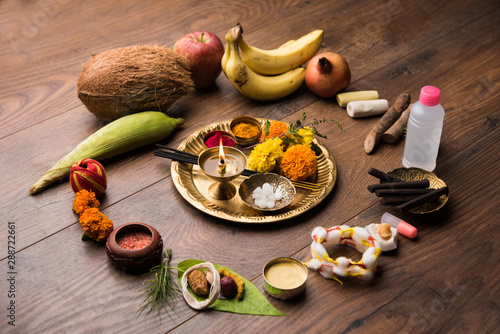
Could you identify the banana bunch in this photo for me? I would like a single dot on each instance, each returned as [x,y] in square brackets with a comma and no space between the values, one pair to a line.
[267,74]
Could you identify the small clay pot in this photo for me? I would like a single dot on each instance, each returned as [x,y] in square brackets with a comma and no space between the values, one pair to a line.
[135,259]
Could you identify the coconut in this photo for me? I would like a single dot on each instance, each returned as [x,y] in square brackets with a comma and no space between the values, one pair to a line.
[131,79]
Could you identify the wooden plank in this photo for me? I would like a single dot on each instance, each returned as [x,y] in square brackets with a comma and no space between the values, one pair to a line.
[434,268]
[49,86]
[348,151]
[428,285]
[443,281]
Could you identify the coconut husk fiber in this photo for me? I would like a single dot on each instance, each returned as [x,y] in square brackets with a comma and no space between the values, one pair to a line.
[126,80]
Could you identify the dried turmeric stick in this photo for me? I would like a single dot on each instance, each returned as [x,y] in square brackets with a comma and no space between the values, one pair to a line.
[237,279]
[398,128]
[386,121]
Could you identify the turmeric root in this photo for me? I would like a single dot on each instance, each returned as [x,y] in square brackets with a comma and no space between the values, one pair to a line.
[237,279]
[389,118]
[397,129]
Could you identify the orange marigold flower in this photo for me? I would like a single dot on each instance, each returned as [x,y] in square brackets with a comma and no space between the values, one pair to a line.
[298,163]
[95,224]
[84,200]
[277,128]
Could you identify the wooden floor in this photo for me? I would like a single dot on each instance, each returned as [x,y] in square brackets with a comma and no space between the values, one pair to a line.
[446,280]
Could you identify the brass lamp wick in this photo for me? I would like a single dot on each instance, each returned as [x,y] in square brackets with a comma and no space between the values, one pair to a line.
[222,167]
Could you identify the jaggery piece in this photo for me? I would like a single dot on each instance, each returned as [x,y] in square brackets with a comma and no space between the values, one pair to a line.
[197,281]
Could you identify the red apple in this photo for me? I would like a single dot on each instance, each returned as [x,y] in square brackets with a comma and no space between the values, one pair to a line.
[204,51]
[327,74]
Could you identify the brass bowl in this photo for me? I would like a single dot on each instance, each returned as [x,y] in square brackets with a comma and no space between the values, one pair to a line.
[276,181]
[224,133]
[284,293]
[416,174]
[135,259]
[241,141]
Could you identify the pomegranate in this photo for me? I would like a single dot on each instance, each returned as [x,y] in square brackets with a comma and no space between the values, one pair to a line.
[327,74]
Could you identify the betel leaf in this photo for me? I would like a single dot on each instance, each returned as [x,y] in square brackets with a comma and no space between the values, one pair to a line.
[254,302]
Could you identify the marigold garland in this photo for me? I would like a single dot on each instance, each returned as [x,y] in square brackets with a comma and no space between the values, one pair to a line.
[298,163]
[264,156]
[84,200]
[95,224]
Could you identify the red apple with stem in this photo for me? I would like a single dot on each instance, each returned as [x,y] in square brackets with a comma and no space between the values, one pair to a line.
[204,51]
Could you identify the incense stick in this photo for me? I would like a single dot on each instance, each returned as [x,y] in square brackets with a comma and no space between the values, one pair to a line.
[181,156]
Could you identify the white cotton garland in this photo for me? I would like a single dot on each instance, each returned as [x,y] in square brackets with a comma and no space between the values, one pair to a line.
[214,287]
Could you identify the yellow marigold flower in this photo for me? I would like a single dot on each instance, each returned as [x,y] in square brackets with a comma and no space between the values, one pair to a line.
[277,128]
[298,163]
[95,224]
[264,156]
[307,136]
[84,200]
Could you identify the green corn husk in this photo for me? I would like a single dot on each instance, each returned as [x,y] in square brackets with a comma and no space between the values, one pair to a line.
[122,135]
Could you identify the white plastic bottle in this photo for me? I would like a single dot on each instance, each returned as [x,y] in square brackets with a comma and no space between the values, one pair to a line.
[424,130]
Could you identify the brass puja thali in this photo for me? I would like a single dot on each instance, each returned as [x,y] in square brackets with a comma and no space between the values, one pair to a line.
[193,185]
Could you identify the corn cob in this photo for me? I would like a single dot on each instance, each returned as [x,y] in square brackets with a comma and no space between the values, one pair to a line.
[125,134]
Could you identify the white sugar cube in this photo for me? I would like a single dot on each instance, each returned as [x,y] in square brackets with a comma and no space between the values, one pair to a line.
[267,189]
[278,195]
[261,203]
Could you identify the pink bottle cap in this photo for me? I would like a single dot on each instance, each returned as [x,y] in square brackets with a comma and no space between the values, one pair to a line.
[403,227]
[407,230]
[429,96]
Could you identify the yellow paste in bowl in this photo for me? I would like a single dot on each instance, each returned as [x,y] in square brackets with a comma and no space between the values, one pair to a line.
[285,275]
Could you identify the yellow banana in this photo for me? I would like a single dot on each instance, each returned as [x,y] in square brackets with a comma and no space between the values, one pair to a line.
[290,55]
[251,84]
[287,43]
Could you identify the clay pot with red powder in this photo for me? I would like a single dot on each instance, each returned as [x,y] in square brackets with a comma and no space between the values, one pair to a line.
[135,246]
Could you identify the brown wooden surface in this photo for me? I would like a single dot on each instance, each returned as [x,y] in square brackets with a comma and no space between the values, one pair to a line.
[446,280]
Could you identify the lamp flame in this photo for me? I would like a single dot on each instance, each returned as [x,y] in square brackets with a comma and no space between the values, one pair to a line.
[221,152]
[222,159]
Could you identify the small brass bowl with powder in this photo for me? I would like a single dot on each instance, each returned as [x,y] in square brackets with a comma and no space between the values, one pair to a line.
[248,121]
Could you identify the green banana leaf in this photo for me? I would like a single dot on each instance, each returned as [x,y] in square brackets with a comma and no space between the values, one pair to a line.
[254,302]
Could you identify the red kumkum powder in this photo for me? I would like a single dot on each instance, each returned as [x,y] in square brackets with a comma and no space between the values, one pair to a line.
[134,240]
[215,140]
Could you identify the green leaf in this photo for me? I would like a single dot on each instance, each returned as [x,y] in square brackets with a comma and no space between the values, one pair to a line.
[316,149]
[315,131]
[288,140]
[267,125]
[85,237]
[254,302]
